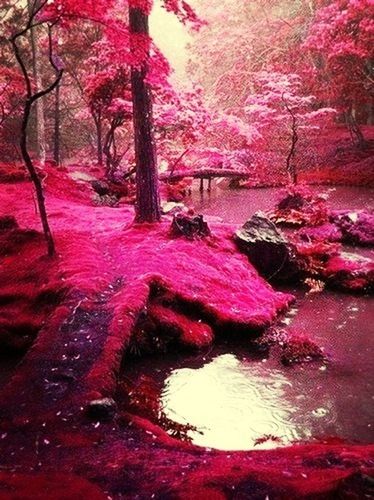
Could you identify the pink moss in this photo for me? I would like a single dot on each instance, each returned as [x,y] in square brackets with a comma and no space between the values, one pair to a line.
[191,333]
[29,290]
[300,349]
[325,232]
[59,486]
[357,227]
[350,273]
[299,206]
[114,272]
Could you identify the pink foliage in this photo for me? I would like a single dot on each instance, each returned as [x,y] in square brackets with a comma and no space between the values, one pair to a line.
[341,37]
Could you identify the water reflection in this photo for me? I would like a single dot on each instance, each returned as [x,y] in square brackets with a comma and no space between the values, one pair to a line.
[233,404]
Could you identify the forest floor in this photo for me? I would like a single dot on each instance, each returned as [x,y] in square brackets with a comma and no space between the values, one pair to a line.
[72,318]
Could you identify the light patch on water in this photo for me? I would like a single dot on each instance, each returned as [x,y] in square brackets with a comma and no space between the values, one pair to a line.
[232,404]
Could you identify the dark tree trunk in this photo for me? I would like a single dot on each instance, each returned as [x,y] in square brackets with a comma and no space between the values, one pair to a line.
[56,142]
[30,99]
[147,190]
[290,160]
[99,138]
[35,179]
[354,128]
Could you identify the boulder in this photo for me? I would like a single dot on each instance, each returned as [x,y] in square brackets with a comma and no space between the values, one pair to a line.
[350,273]
[268,249]
[300,349]
[103,409]
[191,227]
[300,207]
[101,187]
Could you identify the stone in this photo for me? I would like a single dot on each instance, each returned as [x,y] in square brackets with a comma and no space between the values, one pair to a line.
[190,227]
[268,249]
[101,187]
[300,350]
[102,410]
[350,273]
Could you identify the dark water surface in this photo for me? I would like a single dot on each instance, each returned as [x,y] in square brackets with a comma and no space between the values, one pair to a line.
[236,399]
[237,205]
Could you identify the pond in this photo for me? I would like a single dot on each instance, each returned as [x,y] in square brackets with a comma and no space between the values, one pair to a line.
[237,205]
[232,398]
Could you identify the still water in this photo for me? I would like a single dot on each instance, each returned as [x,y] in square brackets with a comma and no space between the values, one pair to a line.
[238,400]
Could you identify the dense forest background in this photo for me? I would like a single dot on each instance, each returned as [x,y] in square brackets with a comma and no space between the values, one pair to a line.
[274,87]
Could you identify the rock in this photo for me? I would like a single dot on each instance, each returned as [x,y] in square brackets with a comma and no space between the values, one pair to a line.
[110,192]
[350,273]
[300,350]
[300,207]
[190,227]
[357,227]
[103,409]
[294,201]
[268,249]
[356,486]
[101,187]
[172,208]
[7,223]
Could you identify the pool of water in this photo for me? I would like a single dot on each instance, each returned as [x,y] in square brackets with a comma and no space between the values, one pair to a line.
[238,205]
[236,399]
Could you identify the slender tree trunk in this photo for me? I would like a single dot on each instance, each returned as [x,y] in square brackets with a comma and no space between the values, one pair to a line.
[354,128]
[31,98]
[56,141]
[39,105]
[290,160]
[147,189]
[99,138]
[35,179]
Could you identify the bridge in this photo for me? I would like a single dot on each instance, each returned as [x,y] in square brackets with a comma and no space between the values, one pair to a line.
[205,173]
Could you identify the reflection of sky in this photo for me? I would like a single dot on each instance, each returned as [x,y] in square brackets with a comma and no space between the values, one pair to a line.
[232,403]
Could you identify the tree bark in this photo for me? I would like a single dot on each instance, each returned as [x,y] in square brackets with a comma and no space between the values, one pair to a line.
[99,139]
[290,160]
[39,105]
[56,139]
[31,98]
[354,128]
[35,179]
[147,189]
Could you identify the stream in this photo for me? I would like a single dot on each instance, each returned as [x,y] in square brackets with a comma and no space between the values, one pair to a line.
[235,399]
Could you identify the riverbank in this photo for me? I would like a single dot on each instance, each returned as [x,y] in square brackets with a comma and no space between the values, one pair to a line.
[113,282]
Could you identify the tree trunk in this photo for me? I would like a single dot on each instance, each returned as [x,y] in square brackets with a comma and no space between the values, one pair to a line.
[354,128]
[147,190]
[99,138]
[56,141]
[35,179]
[39,105]
[290,160]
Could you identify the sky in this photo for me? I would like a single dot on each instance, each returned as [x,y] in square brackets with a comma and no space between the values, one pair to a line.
[171,37]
